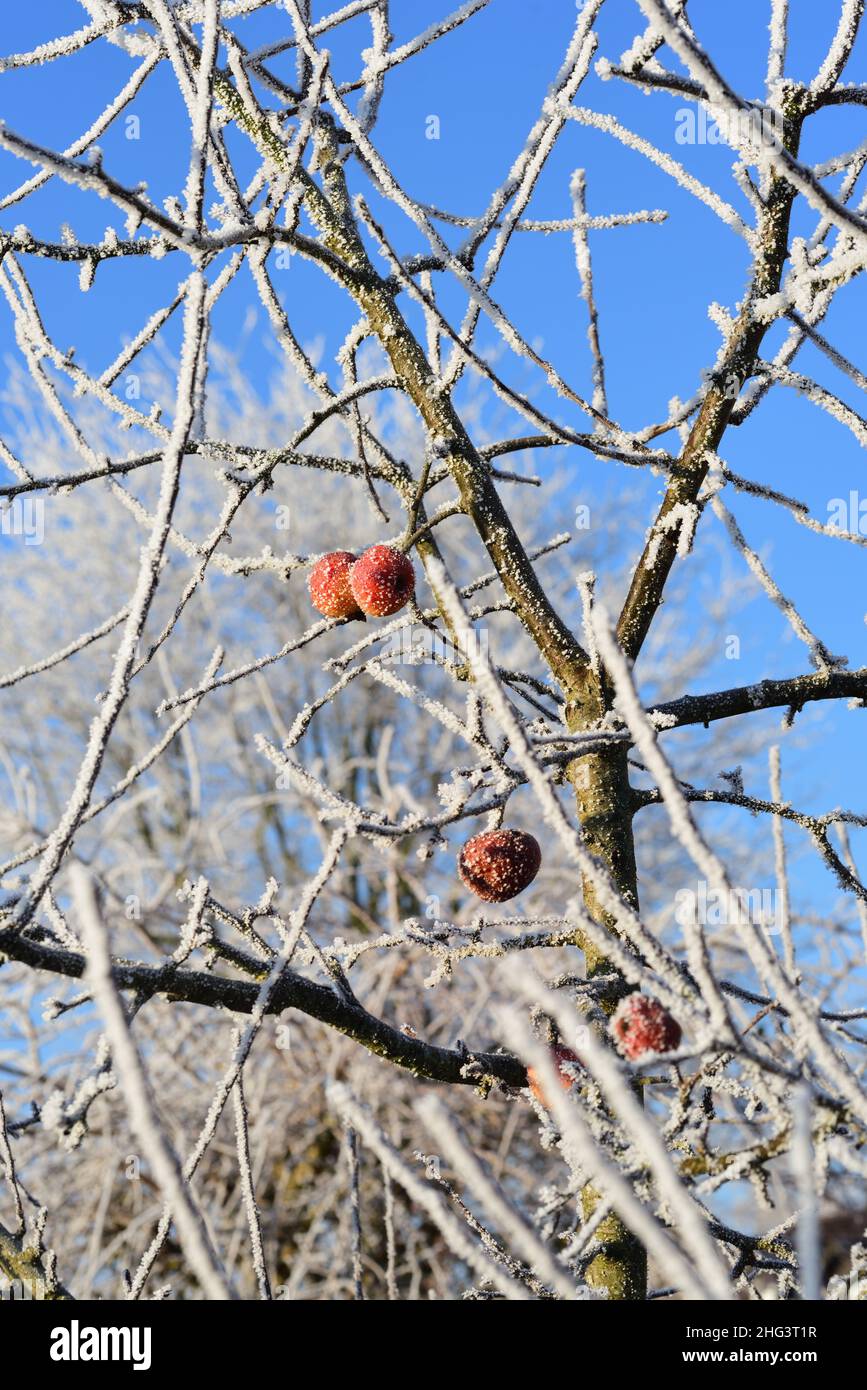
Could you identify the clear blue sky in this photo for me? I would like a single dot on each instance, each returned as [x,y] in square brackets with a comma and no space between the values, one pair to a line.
[485,83]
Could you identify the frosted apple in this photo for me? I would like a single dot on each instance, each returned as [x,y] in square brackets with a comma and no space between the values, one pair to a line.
[499,864]
[382,581]
[642,1027]
[561,1057]
[328,584]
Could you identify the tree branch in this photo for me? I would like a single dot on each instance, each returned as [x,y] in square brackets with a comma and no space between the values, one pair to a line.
[292,992]
[794,692]
[24,1263]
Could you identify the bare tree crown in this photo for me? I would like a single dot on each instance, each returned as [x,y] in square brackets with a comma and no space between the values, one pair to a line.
[298,827]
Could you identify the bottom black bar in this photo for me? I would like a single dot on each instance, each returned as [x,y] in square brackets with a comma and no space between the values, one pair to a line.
[662,1337]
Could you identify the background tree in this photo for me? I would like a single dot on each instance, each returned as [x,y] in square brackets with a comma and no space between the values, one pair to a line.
[246,847]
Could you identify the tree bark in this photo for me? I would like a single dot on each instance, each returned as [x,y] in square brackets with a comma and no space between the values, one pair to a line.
[605,808]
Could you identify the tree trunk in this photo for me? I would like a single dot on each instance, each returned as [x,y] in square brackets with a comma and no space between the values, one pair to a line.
[604,803]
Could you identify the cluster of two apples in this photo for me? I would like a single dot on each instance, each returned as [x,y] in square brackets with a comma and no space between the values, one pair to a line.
[641,1029]
[377,584]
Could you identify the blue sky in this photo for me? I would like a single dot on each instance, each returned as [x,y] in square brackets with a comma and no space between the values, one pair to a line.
[485,83]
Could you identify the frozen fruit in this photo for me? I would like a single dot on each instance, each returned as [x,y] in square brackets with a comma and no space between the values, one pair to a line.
[642,1026]
[382,581]
[561,1056]
[499,864]
[328,582]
